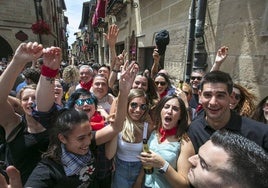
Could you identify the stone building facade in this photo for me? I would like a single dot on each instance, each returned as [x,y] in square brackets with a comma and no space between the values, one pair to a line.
[240,25]
[17,17]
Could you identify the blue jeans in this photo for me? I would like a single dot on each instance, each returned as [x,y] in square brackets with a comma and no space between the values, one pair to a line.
[126,173]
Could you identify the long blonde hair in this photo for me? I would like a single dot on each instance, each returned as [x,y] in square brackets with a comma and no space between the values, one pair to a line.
[131,127]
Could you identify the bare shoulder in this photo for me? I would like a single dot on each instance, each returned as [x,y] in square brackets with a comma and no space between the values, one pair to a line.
[187,146]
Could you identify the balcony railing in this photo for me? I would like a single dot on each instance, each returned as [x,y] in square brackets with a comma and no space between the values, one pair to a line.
[115,6]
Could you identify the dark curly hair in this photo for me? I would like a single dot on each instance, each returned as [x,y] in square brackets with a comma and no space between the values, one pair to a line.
[32,74]
[75,95]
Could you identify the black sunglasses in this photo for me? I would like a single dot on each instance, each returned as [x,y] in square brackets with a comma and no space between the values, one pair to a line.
[161,83]
[135,105]
[237,96]
[196,77]
[81,102]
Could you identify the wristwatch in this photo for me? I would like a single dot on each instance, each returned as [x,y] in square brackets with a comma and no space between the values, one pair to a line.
[163,169]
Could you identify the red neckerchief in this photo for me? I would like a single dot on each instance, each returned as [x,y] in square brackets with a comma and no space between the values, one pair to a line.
[87,85]
[97,121]
[198,108]
[163,94]
[169,132]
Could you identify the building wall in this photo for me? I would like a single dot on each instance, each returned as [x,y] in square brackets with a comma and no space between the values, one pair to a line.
[234,23]
[237,24]
[19,15]
[16,15]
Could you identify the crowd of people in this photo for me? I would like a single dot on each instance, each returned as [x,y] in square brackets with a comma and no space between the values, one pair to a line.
[85,126]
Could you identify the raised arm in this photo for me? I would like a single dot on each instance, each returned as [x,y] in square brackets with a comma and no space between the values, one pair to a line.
[26,52]
[117,62]
[15,102]
[45,97]
[155,66]
[125,83]
[14,178]
[221,55]
[111,38]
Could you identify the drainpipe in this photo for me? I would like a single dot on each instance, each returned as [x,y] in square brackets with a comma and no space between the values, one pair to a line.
[200,54]
[38,12]
[190,48]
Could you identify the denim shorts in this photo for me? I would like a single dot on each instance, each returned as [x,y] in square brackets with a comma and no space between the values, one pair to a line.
[125,174]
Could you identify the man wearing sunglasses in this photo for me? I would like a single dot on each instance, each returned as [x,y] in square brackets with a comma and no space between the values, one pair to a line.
[196,77]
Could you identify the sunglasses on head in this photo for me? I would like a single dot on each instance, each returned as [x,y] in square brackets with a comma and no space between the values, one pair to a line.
[196,77]
[237,96]
[161,83]
[81,102]
[135,105]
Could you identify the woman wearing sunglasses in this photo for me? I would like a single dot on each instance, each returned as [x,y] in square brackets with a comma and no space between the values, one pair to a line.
[163,85]
[86,101]
[243,101]
[69,162]
[129,142]
[143,81]
[83,100]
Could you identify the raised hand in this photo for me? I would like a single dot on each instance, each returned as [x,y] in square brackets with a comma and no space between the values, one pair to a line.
[52,57]
[156,55]
[182,95]
[111,37]
[128,75]
[119,60]
[221,55]
[14,178]
[27,52]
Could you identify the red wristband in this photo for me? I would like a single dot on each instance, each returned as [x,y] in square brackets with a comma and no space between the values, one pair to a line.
[48,72]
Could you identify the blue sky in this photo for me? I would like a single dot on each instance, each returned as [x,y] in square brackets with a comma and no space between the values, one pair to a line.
[74,13]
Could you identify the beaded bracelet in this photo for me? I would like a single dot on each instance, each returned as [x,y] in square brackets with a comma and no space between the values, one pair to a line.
[51,80]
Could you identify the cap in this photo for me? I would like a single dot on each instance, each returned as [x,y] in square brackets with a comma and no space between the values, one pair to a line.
[162,40]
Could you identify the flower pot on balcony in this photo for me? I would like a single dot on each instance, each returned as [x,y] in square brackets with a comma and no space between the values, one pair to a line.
[41,27]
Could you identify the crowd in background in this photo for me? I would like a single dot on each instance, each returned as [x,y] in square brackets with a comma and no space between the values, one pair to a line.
[83,125]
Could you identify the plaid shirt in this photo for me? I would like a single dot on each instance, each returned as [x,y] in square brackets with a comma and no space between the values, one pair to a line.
[103,165]
[74,163]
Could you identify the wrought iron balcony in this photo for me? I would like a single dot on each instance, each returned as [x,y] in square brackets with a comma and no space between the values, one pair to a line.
[115,6]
